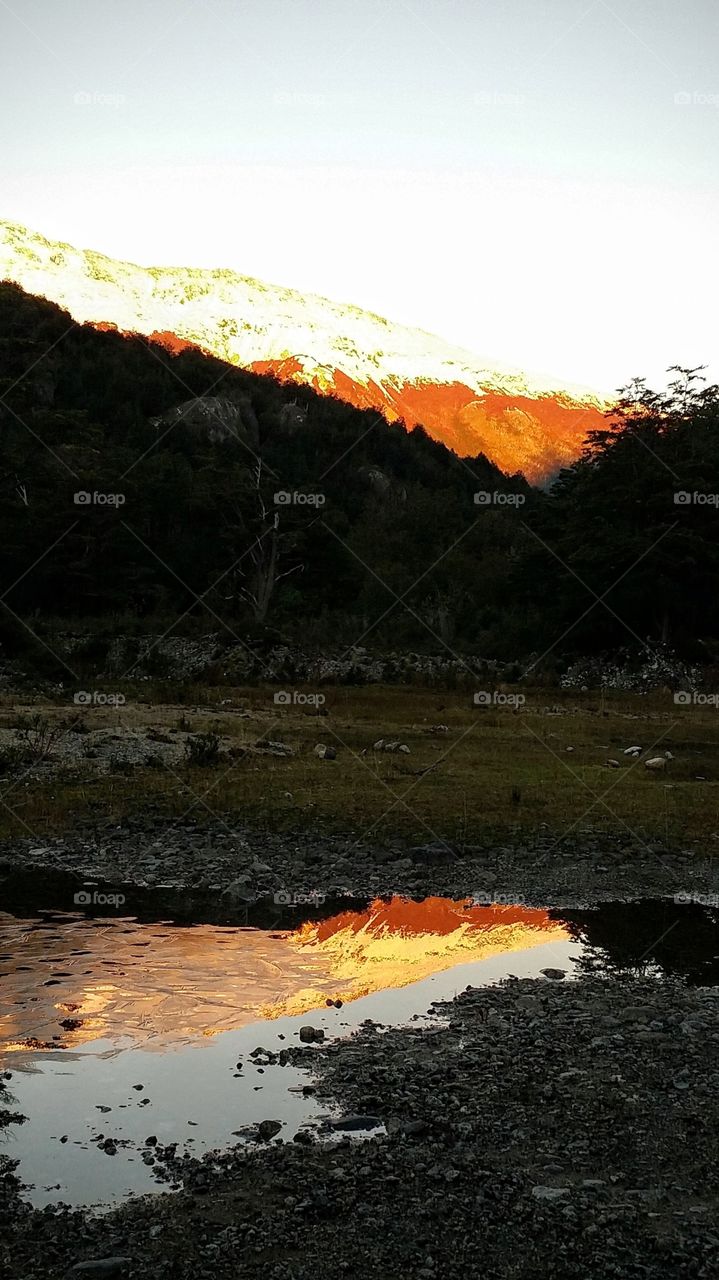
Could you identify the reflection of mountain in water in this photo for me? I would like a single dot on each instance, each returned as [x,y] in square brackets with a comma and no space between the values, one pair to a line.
[392,944]
[67,983]
[677,938]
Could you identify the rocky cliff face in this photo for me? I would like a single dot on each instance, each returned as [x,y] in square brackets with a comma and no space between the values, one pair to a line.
[521,423]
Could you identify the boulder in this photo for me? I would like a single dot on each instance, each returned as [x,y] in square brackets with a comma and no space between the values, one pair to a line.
[215,418]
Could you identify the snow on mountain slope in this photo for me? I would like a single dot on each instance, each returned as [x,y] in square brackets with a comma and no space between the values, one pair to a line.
[521,423]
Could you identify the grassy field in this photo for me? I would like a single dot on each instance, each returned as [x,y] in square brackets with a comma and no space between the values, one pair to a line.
[472,774]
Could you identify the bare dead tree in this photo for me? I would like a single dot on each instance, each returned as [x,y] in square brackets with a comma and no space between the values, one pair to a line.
[265,555]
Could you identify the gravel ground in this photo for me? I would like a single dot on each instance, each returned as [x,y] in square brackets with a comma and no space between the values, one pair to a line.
[230,868]
[541,1128]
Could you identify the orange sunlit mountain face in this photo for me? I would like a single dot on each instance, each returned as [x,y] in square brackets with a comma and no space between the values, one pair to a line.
[160,986]
[536,435]
[533,434]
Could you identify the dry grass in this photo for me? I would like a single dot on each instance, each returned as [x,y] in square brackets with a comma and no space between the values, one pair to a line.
[494,772]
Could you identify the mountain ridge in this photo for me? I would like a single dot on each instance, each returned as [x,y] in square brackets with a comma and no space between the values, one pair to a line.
[521,422]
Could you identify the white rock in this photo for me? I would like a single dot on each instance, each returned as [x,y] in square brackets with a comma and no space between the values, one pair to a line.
[549,1193]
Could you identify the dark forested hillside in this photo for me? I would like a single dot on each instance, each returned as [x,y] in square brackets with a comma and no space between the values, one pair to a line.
[277,506]
[148,489]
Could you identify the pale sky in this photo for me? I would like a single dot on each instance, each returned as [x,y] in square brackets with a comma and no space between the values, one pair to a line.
[517,176]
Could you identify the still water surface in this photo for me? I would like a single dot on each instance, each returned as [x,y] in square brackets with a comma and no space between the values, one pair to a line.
[116,1028]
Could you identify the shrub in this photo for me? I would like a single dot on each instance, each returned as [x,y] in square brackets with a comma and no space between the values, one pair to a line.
[203,750]
[36,736]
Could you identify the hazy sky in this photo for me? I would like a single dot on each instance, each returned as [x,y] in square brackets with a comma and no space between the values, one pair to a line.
[534,179]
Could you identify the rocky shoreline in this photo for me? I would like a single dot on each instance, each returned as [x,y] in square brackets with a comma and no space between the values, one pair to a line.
[535,1128]
[216,871]
[541,1128]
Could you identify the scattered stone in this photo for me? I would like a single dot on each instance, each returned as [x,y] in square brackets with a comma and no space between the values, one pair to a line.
[354,1124]
[267,1129]
[311,1035]
[100,1268]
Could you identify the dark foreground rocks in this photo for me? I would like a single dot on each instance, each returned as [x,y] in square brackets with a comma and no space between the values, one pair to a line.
[540,1129]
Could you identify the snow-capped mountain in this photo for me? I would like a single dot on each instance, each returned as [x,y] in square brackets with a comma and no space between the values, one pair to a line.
[523,424]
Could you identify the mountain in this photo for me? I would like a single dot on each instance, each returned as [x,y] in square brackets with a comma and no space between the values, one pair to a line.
[522,424]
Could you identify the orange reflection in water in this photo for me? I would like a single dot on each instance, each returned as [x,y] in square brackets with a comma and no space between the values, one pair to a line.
[161,986]
[394,943]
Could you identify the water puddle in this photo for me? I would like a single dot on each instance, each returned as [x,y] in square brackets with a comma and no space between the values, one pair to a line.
[115,1030]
